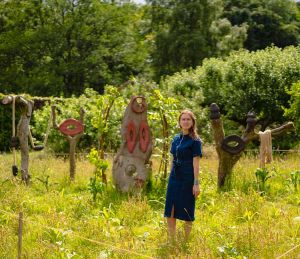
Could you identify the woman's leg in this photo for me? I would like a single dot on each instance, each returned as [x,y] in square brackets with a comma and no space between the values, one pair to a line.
[188,228]
[171,225]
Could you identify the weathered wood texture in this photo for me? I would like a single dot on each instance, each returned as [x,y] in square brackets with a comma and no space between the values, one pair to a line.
[130,168]
[72,141]
[26,107]
[227,160]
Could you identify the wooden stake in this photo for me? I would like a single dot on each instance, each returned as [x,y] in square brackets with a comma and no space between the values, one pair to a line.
[20,233]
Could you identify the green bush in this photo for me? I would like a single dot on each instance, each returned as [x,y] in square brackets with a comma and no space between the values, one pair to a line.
[241,82]
[69,108]
[293,111]
[254,81]
[184,86]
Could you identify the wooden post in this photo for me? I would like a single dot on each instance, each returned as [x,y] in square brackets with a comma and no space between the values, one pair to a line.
[23,134]
[20,235]
[73,140]
[229,156]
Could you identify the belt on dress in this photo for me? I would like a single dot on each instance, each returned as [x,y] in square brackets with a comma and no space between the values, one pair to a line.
[178,163]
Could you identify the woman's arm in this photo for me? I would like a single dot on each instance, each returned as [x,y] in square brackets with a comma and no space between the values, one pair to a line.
[171,163]
[196,189]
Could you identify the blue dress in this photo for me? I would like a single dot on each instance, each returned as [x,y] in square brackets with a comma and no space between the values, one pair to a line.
[180,185]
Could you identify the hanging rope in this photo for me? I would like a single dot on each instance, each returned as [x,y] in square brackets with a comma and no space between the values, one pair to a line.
[265,149]
[14,139]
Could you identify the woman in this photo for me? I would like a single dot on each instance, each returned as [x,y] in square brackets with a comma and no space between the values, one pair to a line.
[183,185]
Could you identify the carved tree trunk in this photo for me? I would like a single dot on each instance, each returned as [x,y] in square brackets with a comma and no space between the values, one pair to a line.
[131,164]
[228,156]
[23,131]
[23,134]
[226,161]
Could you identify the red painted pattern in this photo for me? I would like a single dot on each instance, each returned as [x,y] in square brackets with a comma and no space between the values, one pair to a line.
[71,127]
[131,136]
[144,133]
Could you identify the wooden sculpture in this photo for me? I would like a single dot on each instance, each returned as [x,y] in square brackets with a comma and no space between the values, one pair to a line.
[130,167]
[230,149]
[73,130]
[20,134]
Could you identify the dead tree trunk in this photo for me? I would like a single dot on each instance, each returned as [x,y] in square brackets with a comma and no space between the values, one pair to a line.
[23,131]
[230,149]
[23,134]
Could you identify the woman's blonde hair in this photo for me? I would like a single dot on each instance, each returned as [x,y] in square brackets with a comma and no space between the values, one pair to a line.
[192,130]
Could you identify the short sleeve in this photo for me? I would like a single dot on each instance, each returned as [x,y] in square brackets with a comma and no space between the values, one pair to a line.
[197,148]
[172,150]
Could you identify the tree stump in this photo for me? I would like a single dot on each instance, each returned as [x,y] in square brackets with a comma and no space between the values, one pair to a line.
[230,149]
[130,168]
[72,130]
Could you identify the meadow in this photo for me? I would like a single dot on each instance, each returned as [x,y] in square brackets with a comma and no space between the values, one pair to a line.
[61,220]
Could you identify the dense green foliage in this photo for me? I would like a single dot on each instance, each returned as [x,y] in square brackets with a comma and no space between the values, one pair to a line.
[103,117]
[294,110]
[269,21]
[244,81]
[186,32]
[62,47]
[6,125]
[69,108]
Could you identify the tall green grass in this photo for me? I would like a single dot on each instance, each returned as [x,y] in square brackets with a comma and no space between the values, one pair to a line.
[61,220]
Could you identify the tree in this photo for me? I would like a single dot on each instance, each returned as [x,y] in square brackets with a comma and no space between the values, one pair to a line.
[254,81]
[228,154]
[243,81]
[294,110]
[269,21]
[61,47]
[188,31]
[101,119]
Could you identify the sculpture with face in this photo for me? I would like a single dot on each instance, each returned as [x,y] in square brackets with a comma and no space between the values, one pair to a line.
[130,167]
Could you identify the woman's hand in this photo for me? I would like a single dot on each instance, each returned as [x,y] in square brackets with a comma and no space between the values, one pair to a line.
[196,190]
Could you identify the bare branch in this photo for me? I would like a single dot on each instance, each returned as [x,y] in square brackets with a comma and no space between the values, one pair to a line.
[275,132]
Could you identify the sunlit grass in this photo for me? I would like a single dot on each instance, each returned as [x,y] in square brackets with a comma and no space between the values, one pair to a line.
[62,221]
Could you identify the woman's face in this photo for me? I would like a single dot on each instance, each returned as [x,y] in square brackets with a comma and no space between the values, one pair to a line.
[186,121]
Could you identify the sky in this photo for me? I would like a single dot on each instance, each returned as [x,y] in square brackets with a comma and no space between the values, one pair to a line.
[139,1]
